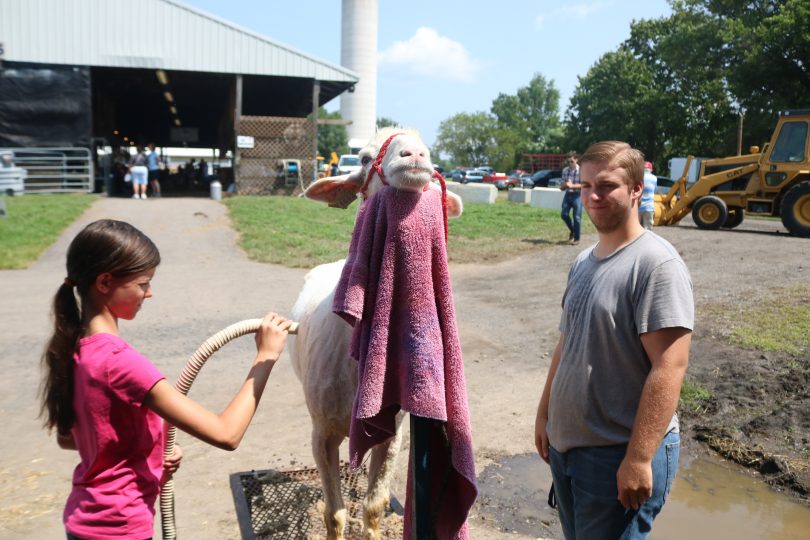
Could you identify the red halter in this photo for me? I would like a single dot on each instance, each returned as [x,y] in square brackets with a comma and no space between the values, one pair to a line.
[438,175]
[377,167]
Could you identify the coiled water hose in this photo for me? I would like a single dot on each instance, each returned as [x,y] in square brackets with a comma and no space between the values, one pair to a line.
[183,385]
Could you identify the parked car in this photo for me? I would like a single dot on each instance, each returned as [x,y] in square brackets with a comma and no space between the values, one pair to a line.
[348,163]
[543,178]
[474,175]
[494,178]
[457,174]
[513,180]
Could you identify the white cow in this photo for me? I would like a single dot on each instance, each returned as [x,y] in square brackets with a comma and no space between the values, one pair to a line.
[320,351]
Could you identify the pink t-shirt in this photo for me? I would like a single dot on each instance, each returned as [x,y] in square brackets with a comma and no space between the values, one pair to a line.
[120,442]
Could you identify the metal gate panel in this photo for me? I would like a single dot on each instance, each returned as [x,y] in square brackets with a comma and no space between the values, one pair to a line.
[277,140]
[55,170]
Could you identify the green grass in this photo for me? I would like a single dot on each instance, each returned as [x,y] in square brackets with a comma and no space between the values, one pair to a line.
[301,233]
[693,396]
[504,229]
[295,232]
[780,324]
[291,231]
[34,222]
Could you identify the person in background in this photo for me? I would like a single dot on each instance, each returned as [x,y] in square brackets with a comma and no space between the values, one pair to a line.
[108,401]
[202,173]
[571,212]
[139,173]
[646,209]
[606,420]
[191,173]
[153,162]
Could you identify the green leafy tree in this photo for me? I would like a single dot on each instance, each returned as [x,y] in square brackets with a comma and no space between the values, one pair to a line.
[718,58]
[766,53]
[383,122]
[470,140]
[696,111]
[764,46]
[529,121]
[332,137]
[611,102]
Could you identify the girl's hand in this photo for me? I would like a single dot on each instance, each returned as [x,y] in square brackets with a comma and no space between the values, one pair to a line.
[271,337]
[171,464]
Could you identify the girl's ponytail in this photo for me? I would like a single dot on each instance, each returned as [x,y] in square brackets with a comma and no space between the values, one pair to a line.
[57,387]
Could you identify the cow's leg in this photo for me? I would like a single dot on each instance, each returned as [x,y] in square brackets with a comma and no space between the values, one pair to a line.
[325,446]
[382,465]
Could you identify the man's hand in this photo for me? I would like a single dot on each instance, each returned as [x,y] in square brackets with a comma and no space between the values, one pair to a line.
[541,437]
[634,481]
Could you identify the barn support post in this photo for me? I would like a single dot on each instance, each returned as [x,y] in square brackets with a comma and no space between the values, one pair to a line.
[316,99]
[237,120]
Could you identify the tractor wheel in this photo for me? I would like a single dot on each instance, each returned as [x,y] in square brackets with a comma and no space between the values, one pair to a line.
[735,217]
[795,209]
[709,212]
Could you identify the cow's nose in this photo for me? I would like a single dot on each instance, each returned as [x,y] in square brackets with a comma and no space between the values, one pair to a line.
[408,152]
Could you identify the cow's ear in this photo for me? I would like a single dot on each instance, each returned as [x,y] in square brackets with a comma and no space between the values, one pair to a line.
[336,191]
[454,205]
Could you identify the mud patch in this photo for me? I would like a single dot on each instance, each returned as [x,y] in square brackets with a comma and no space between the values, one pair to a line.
[758,413]
[513,499]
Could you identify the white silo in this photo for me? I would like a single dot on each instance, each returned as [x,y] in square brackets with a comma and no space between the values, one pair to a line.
[358,52]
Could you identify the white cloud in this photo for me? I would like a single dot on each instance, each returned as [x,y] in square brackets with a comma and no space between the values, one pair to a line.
[575,11]
[429,55]
[581,11]
[539,20]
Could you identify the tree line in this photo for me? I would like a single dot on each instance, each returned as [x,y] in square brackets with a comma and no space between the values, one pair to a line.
[680,84]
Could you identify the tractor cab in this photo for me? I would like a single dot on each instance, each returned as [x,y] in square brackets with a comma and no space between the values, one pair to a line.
[787,153]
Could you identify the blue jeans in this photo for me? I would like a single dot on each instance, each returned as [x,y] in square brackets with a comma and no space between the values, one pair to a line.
[572,201]
[586,492]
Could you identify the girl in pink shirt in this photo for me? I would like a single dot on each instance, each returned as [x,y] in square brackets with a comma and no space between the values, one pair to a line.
[108,401]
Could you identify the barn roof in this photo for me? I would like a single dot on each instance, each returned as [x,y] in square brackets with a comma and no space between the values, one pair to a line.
[152,34]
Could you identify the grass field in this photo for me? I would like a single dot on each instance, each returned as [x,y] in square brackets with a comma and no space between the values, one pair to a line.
[34,222]
[300,233]
[295,232]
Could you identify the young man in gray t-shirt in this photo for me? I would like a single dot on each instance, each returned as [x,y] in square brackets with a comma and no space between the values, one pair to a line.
[606,421]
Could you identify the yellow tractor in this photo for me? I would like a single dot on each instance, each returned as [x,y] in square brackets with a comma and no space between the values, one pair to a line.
[325,169]
[774,182]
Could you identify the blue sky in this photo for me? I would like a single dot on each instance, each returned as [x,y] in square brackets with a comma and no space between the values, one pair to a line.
[442,57]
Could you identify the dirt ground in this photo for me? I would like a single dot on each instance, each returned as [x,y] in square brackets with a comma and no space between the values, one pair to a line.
[507,316]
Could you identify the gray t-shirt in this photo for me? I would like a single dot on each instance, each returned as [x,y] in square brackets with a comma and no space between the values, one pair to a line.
[608,303]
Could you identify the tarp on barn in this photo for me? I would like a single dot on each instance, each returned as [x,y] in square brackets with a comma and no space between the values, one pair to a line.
[45,105]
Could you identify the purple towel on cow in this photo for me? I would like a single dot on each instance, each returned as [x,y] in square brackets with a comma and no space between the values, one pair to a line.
[395,291]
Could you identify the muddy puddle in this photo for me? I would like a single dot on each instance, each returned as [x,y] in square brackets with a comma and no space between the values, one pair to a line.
[711,499]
